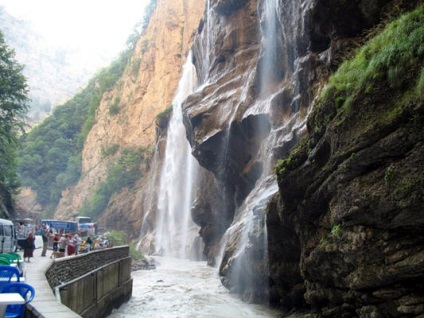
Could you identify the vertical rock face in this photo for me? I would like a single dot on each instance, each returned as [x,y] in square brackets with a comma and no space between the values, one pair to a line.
[257,80]
[145,90]
[352,197]
[344,235]
[236,110]
[210,112]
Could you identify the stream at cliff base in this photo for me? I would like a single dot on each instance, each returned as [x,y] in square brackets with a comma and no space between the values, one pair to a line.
[184,289]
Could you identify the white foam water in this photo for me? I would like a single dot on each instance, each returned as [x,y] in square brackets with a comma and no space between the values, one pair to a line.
[184,289]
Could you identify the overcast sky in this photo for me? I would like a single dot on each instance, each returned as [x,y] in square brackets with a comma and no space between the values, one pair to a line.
[90,25]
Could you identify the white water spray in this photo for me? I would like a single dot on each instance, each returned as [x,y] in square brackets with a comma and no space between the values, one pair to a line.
[175,230]
[269,33]
[249,226]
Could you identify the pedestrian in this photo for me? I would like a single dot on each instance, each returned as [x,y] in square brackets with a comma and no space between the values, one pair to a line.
[29,247]
[77,240]
[62,244]
[56,239]
[70,243]
[45,237]
[88,244]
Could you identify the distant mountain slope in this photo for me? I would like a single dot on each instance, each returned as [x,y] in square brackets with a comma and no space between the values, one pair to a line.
[54,74]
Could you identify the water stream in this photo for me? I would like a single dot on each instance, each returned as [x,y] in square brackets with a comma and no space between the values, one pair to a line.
[184,289]
[175,231]
[178,287]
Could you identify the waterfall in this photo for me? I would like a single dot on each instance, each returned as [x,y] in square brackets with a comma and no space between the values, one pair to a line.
[244,264]
[174,227]
[245,108]
[270,46]
[208,40]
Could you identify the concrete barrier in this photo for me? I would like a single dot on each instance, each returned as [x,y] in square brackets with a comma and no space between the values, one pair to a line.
[93,284]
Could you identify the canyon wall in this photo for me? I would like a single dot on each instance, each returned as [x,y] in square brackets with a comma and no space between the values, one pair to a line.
[343,239]
[339,232]
[145,90]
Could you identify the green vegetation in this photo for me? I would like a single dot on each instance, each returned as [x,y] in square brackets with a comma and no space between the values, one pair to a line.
[114,107]
[336,230]
[141,25]
[50,154]
[13,107]
[135,66]
[297,155]
[163,117]
[395,57]
[134,253]
[120,175]
[389,176]
[110,150]
[117,238]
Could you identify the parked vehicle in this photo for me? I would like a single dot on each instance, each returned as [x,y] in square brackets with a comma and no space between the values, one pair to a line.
[8,240]
[83,219]
[61,226]
[85,226]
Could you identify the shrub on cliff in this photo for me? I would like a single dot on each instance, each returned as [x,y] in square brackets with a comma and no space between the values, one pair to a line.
[124,173]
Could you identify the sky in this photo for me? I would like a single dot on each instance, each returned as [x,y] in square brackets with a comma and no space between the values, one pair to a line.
[89,25]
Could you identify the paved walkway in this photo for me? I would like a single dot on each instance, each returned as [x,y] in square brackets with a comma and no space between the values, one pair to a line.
[45,303]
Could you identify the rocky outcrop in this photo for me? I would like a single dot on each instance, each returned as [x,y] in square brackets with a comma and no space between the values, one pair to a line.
[243,105]
[211,112]
[351,217]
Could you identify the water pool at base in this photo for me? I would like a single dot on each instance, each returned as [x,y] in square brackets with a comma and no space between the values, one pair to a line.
[179,288]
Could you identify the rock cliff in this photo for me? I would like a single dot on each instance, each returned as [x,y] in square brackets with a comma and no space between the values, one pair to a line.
[145,90]
[349,214]
[339,231]
[343,239]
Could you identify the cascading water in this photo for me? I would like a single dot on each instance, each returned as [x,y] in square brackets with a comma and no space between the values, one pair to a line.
[205,45]
[269,31]
[175,230]
[244,266]
[208,39]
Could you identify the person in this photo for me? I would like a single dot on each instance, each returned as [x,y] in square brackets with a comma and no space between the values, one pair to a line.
[83,247]
[62,244]
[29,247]
[77,241]
[56,239]
[88,244]
[105,242]
[96,244]
[45,237]
[70,242]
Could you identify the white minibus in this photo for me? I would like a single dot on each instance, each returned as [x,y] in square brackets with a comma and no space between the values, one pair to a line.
[8,242]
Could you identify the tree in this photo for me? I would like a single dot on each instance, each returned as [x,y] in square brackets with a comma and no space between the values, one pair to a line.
[13,108]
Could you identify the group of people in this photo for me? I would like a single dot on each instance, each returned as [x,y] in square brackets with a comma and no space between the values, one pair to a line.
[74,244]
[68,244]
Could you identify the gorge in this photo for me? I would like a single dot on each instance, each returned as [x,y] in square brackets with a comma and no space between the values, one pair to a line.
[299,177]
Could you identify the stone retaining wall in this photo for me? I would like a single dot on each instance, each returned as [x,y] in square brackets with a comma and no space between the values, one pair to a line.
[93,284]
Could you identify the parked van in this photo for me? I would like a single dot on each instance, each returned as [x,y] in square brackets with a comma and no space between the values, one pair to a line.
[8,241]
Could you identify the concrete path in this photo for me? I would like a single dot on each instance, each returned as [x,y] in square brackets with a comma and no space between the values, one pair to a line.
[45,303]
